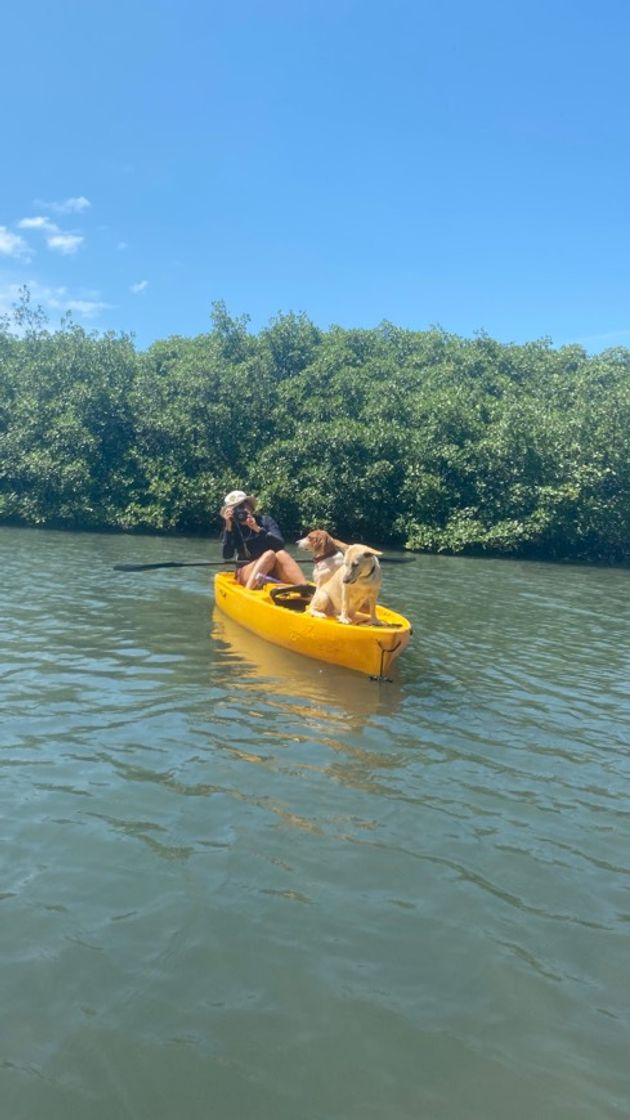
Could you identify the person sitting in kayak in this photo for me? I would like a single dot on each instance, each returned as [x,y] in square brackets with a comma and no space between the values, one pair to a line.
[257,541]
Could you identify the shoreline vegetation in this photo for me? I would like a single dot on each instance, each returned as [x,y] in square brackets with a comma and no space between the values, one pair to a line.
[410,439]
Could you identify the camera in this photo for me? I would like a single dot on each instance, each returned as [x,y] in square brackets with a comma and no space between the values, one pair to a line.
[241,514]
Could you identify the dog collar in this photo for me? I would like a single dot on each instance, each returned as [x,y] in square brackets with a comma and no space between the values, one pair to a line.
[325,556]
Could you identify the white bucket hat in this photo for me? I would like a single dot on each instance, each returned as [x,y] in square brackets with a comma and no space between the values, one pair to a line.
[236,497]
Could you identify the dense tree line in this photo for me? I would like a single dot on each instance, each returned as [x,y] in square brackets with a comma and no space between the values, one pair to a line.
[413,438]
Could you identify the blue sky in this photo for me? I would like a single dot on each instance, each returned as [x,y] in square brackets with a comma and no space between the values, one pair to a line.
[465,164]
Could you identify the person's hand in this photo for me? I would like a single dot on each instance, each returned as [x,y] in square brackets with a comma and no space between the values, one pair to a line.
[251,523]
[227,513]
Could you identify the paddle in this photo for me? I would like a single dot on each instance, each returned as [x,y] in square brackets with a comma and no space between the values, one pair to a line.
[221,563]
[396,559]
[171,564]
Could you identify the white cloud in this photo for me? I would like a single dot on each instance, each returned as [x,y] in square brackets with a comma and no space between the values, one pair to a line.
[12,245]
[9,294]
[57,239]
[68,206]
[122,245]
[87,308]
[37,223]
[86,304]
[7,305]
[64,243]
[76,205]
[139,287]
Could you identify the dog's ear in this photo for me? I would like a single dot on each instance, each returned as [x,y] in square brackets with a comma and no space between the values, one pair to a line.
[371,551]
[341,545]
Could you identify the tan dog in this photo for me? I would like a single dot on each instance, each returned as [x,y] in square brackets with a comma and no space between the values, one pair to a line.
[327,554]
[352,588]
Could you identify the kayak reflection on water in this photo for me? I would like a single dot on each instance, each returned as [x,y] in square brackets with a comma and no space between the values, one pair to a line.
[283,677]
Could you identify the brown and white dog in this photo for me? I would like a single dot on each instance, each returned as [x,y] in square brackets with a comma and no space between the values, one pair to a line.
[327,554]
[353,588]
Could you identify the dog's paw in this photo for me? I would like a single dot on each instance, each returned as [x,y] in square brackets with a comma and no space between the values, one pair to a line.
[344,618]
[316,614]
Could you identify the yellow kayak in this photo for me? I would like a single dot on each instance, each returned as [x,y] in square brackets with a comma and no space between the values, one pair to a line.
[277,613]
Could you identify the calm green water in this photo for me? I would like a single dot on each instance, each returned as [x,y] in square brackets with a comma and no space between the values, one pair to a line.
[238,884]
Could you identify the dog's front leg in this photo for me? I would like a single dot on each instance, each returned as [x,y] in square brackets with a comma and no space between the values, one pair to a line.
[319,604]
[343,616]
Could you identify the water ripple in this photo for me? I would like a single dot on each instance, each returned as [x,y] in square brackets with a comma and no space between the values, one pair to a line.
[229,866]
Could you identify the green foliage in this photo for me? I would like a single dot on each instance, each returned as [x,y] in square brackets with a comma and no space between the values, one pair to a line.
[420,439]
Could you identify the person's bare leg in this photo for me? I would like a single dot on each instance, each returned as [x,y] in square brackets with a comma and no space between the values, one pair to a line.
[243,571]
[287,569]
[262,566]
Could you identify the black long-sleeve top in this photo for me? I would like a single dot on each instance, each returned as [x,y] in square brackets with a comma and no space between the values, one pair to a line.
[249,545]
